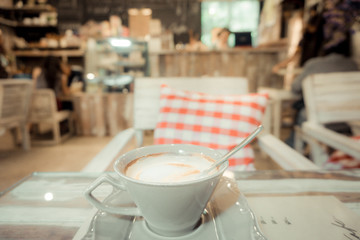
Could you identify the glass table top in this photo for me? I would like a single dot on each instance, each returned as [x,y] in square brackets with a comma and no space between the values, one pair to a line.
[52,206]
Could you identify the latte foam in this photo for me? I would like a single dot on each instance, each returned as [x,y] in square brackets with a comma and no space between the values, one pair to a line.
[167,167]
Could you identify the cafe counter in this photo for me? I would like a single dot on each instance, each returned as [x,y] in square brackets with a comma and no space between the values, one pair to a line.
[252,63]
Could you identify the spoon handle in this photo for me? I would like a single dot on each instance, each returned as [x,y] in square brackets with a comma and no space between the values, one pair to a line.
[237,148]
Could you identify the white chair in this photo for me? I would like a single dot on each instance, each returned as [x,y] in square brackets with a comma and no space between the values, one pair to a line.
[15,98]
[44,113]
[330,98]
[146,109]
[277,98]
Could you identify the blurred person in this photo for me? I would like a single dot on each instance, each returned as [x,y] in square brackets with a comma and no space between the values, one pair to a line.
[194,42]
[51,75]
[221,38]
[4,63]
[310,43]
[329,26]
[334,59]
[75,79]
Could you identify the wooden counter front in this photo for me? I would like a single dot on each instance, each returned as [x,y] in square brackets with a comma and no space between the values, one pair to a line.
[252,63]
[102,114]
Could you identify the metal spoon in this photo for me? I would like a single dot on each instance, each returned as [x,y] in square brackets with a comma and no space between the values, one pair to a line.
[234,150]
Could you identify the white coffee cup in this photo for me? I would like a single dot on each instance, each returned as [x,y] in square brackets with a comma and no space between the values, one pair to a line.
[169,208]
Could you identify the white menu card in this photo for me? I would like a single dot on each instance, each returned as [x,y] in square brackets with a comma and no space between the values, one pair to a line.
[305,217]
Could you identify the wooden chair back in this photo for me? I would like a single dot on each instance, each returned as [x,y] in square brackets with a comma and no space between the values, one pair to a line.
[44,112]
[43,105]
[147,93]
[332,97]
[15,98]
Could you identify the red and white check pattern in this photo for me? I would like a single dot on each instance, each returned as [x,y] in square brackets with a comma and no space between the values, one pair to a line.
[218,122]
[341,160]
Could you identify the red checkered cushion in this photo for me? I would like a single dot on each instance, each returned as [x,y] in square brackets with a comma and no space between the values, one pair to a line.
[218,122]
[341,160]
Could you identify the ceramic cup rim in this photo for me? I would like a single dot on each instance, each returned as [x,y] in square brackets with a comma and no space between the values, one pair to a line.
[221,170]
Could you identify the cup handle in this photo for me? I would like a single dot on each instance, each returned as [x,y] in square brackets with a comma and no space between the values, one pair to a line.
[131,211]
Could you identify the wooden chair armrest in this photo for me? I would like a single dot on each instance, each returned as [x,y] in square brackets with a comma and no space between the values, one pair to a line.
[279,94]
[106,156]
[284,155]
[273,117]
[332,138]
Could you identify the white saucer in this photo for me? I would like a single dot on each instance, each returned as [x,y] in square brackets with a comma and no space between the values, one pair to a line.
[227,216]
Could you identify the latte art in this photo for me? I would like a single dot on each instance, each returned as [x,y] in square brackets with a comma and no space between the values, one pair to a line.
[167,167]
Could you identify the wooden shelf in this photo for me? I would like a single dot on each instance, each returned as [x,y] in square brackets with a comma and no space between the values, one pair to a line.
[35,8]
[7,22]
[125,63]
[55,52]
[13,23]
[131,64]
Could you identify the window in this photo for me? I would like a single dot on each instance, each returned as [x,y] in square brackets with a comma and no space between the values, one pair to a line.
[238,16]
